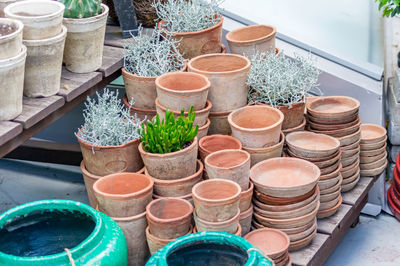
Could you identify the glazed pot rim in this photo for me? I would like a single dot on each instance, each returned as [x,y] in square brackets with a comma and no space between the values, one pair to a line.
[217,224]
[50,16]
[48,41]
[158,220]
[204,72]
[205,87]
[283,234]
[18,23]
[169,154]
[211,155]
[83,21]
[214,201]
[269,148]
[202,140]
[249,41]
[219,24]
[233,124]
[151,78]
[96,148]
[206,109]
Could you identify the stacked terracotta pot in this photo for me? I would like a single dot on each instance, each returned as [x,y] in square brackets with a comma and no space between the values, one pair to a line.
[234,165]
[337,116]
[373,153]
[323,151]
[228,75]
[393,194]
[216,204]
[287,198]
[167,218]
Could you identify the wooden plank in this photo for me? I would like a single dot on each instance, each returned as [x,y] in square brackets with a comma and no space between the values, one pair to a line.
[8,130]
[311,254]
[112,60]
[73,84]
[36,109]
[354,196]
[332,224]
[114,36]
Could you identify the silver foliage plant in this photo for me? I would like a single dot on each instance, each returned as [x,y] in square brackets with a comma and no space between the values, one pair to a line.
[108,122]
[188,16]
[152,55]
[280,80]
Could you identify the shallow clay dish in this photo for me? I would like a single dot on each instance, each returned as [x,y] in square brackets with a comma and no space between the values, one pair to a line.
[329,204]
[312,145]
[374,172]
[328,183]
[350,162]
[328,162]
[335,107]
[324,127]
[331,189]
[329,169]
[274,243]
[301,235]
[296,245]
[350,171]
[332,121]
[283,201]
[331,196]
[373,146]
[371,133]
[339,132]
[349,186]
[331,175]
[351,178]
[351,146]
[373,165]
[284,177]
[330,211]
[321,159]
[289,231]
[350,153]
[347,140]
[373,152]
[371,159]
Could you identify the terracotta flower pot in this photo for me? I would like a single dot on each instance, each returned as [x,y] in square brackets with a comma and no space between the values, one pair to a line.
[333,107]
[251,39]
[200,42]
[216,200]
[105,160]
[217,142]
[229,164]
[219,123]
[238,231]
[230,225]
[277,244]
[181,90]
[178,187]
[142,114]
[371,133]
[187,197]
[228,74]
[3,4]
[11,38]
[123,194]
[169,217]
[300,127]
[156,243]
[173,165]
[256,126]
[294,114]
[245,220]
[261,154]
[245,198]
[201,115]
[203,130]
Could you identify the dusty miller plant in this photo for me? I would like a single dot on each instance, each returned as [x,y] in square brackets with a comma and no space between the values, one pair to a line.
[279,80]
[152,55]
[188,16]
[108,122]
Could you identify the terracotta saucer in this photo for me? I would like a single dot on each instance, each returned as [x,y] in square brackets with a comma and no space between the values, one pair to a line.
[332,121]
[321,159]
[350,186]
[333,107]
[374,172]
[274,243]
[350,179]
[349,139]
[350,162]
[327,183]
[371,159]
[282,260]
[329,204]
[283,201]
[290,231]
[330,196]
[332,189]
[371,133]
[323,127]
[349,171]
[296,245]
[373,165]
[329,212]
[374,152]
[331,175]
[351,146]
[301,235]
[339,132]
[350,153]
[373,146]
[329,162]
[312,145]
[331,168]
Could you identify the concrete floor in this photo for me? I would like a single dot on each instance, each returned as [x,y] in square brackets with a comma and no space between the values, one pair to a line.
[374,241]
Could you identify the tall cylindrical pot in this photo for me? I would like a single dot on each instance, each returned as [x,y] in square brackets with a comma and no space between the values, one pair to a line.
[10,37]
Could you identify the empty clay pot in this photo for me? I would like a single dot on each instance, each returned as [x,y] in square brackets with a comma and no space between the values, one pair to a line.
[251,39]
[371,133]
[230,225]
[245,198]
[123,194]
[238,231]
[173,165]
[11,38]
[229,164]
[169,217]
[284,177]
[219,123]
[203,130]
[216,200]
[256,126]
[274,243]
[142,114]
[260,154]
[308,144]
[245,220]
[156,243]
[228,74]
[217,142]
[333,107]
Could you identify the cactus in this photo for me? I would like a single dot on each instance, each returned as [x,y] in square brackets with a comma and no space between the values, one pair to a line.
[81,8]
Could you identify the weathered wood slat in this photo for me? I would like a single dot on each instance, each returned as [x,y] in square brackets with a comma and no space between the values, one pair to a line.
[332,224]
[8,130]
[112,60]
[312,254]
[357,194]
[36,109]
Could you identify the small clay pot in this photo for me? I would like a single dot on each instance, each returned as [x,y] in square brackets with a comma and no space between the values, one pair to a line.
[123,194]
[156,243]
[217,142]
[245,198]
[216,200]
[373,146]
[293,115]
[169,217]
[274,243]
[219,123]
[230,225]
[187,197]
[238,231]
[261,154]
[231,165]
[142,114]
[10,41]
[173,165]
[203,130]
[245,220]
[336,107]
[371,133]
[256,126]
[309,144]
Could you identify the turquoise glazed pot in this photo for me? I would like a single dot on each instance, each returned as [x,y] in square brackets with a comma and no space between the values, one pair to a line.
[37,233]
[209,248]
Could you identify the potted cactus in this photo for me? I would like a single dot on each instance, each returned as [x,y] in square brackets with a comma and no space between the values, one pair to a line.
[283,83]
[196,24]
[169,146]
[86,24]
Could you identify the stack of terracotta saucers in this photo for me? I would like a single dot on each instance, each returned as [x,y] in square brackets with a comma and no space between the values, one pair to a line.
[286,197]
[373,159]
[273,243]
[323,151]
[337,116]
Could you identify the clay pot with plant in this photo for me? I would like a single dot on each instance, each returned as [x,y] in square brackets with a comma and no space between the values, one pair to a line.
[169,146]
[195,24]
[282,83]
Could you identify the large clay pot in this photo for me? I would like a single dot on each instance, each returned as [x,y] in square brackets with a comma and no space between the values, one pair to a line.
[123,194]
[85,41]
[261,154]
[228,74]
[11,37]
[42,19]
[219,123]
[230,225]
[251,39]
[217,142]
[192,44]
[256,126]
[142,114]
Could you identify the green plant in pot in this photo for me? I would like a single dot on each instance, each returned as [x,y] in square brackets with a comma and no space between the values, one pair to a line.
[283,83]
[169,146]
[196,24]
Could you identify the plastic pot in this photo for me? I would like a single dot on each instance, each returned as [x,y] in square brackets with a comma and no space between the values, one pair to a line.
[217,142]
[219,123]
[11,37]
[230,225]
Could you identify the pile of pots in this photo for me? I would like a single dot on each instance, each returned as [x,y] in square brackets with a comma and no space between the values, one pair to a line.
[393,194]
[373,152]
[286,197]
[323,151]
[337,116]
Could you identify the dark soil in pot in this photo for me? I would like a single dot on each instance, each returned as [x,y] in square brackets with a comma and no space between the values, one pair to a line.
[7,29]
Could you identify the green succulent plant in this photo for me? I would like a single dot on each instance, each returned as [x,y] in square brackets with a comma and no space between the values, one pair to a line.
[169,134]
[81,8]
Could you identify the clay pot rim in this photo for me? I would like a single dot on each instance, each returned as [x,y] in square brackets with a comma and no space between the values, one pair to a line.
[376,157]
[150,78]
[345,147]
[368,145]
[247,191]
[326,126]
[290,220]
[89,19]
[213,201]
[97,148]
[217,224]
[219,24]
[169,154]
[136,194]
[205,87]
[207,73]
[48,41]
[87,173]
[332,193]
[185,197]
[378,169]
[351,151]
[378,162]
[158,220]
[259,231]
[245,214]
[15,60]
[329,179]
[333,174]
[233,124]
[350,136]
[320,159]
[355,164]
[249,41]
[270,148]
[335,187]
[220,114]
[295,129]
[201,141]
[238,230]
[129,218]
[329,114]
[125,100]
[18,23]
[351,178]
[331,150]
[380,150]
[376,128]
[49,16]
[163,240]
[206,109]
[337,206]
[216,153]
[306,239]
